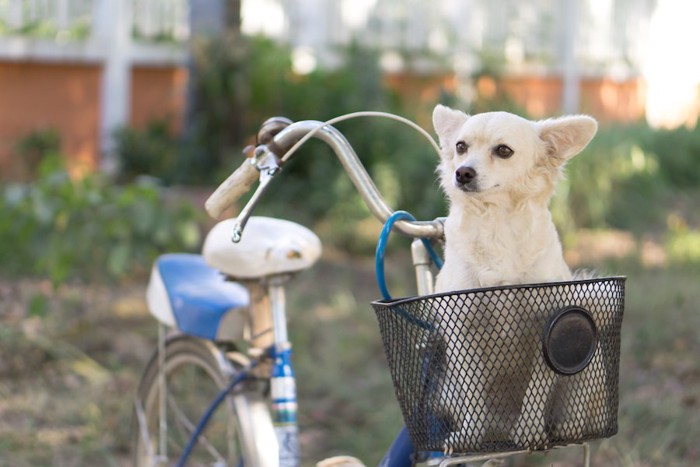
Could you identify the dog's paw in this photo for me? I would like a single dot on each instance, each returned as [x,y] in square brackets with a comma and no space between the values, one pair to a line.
[470,434]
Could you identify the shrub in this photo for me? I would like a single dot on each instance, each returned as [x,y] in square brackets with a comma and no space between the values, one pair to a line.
[625,178]
[34,147]
[629,175]
[88,229]
[151,151]
[314,185]
[678,155]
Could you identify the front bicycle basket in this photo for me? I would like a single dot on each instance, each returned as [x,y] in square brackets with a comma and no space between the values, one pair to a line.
[506,368]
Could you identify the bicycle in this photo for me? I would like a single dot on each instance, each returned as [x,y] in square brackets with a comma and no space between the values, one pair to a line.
[223,327]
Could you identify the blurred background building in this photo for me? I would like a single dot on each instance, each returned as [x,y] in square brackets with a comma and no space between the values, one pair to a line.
[88,67]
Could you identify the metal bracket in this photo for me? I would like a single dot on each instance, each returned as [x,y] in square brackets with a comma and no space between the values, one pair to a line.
[268,165]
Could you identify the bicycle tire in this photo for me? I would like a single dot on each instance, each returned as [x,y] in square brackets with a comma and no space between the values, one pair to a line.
[240,432]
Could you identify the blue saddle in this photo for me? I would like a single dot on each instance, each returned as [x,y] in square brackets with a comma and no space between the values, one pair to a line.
[193,294]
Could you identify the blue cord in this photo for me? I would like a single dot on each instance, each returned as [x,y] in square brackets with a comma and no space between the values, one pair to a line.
[405,448]
[210,411]
[381,250]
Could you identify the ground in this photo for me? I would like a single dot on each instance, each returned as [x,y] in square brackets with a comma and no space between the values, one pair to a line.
[70,360]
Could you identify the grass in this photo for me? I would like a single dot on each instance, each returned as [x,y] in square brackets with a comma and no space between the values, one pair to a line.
[659,415]
[661,384]
[70,363]
[66,376]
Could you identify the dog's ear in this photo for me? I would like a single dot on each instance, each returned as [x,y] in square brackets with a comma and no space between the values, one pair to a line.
[567,136]
[446,121]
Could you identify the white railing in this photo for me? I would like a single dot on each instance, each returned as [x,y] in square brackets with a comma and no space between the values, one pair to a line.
[45,18]
[160,20]
[66,20]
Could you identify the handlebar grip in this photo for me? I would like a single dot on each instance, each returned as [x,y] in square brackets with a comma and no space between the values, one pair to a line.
[235,186]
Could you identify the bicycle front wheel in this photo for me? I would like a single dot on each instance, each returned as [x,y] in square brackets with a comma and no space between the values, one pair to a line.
[193,374]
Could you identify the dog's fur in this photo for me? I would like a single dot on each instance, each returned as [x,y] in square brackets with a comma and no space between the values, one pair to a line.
[499,172]
[499,229]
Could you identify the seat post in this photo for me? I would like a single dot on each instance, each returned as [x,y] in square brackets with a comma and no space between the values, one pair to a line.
[278,301]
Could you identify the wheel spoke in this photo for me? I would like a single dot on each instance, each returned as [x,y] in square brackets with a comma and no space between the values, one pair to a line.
[193,378]
[187,429]
[143,428]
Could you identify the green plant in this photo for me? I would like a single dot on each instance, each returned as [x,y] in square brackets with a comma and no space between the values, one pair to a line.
[89,228]
[216,121]
[151,151]
[682,243]
[630,177]
[314,185]
[678,155]
[627,178]
[35,146]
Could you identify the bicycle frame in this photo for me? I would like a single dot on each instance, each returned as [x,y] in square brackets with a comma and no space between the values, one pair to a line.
[283,392]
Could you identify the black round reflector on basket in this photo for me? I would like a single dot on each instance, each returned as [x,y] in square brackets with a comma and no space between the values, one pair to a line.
[570,339]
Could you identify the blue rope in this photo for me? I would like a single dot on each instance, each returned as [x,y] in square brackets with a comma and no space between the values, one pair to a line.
[210,411]
[381,250]
[381,282]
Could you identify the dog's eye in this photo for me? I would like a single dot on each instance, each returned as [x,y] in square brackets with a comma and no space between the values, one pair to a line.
[461,147]
[503,151]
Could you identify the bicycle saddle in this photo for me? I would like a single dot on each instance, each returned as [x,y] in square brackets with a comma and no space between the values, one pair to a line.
[268,247]
[187,293]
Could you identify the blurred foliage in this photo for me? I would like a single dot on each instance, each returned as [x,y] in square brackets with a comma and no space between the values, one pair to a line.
[678,152]
[89,228]
[47,29]
[314,185]
[682,242]
[152,151]
[216,96]
[630,177]
[32,148]
[492,67]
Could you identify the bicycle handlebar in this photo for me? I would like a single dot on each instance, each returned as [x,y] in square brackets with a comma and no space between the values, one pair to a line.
[235,186]
[292,136]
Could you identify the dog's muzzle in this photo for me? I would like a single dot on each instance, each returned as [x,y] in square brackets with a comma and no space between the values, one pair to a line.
[465,179]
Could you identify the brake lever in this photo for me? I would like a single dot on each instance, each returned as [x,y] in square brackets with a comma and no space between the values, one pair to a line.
[268,165]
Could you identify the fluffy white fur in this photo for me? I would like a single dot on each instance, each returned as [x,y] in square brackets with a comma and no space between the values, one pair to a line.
[499,172]
[502,231]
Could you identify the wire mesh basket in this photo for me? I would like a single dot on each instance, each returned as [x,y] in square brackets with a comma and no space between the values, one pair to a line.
[526,367]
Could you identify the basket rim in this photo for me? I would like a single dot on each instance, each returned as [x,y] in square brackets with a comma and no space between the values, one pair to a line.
[534,285]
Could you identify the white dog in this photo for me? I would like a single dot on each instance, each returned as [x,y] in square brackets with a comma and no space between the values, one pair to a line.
[499,172]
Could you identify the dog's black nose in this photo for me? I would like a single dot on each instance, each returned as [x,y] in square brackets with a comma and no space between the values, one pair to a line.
[465,175]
